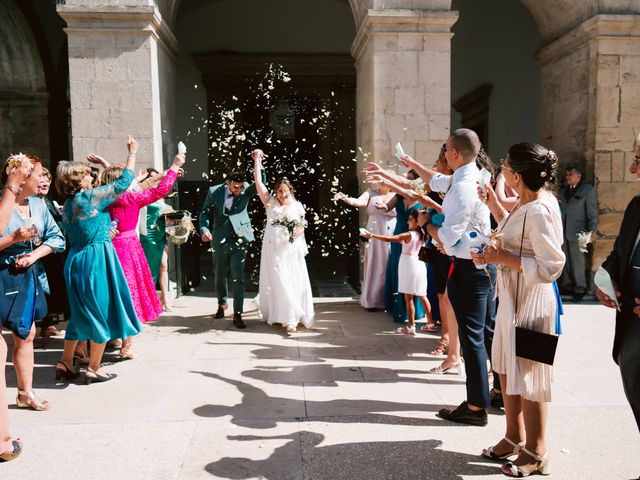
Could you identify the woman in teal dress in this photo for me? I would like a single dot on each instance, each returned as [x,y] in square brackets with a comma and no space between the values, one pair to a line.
[99,297]
[393,302]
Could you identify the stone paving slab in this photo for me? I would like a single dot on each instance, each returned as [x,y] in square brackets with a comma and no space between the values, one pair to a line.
[346,400]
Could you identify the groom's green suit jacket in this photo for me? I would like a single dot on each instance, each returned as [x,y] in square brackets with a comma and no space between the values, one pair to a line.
[232,223]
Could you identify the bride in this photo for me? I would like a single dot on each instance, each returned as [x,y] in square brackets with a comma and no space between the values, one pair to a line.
[284,292]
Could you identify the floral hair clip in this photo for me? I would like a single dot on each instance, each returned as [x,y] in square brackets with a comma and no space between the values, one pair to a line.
[16,161]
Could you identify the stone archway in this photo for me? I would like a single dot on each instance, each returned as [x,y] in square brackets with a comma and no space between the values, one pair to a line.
[23,91]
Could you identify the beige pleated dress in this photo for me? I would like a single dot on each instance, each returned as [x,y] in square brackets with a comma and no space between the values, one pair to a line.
[542,262]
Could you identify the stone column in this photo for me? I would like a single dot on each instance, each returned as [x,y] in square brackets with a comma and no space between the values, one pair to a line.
[590,106]
[121,57]
[403,60]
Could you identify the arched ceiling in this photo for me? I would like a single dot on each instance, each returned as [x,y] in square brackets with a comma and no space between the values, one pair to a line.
[553,17]
[20,63]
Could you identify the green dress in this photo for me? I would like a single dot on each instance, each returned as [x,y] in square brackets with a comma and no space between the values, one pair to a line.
[154,241]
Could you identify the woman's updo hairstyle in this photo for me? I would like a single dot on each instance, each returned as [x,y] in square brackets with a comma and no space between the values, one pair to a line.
[535,164]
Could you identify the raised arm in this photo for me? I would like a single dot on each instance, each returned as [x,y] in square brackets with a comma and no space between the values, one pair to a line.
[258,176]
[16,178]
[361,202]
[375,169]
[425,173]
[495,206]
[402,237]
[153,194]
[103,196]
[509,203]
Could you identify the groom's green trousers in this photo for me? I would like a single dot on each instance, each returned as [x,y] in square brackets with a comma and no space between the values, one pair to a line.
[230,256]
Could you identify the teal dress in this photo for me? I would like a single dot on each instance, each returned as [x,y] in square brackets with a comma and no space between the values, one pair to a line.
[99,297]
[394,301]
[154,241]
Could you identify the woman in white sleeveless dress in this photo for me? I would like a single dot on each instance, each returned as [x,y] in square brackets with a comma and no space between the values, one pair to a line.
[284,291]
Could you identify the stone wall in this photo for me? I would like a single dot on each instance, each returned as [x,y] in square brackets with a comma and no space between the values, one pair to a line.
[591,104]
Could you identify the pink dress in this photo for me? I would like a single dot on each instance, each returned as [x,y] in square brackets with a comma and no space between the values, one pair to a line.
[129,249]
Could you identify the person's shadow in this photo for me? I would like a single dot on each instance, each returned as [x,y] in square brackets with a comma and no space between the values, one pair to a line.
[292,410]
[303,457]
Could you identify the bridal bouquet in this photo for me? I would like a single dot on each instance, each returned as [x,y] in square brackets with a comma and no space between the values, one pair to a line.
[290,224]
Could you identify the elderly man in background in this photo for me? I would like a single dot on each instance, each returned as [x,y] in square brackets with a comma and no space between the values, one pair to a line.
[579,205]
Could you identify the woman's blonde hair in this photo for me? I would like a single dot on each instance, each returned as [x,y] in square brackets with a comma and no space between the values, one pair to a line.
[46,173]
[6,168]
[69,177]
[111,173]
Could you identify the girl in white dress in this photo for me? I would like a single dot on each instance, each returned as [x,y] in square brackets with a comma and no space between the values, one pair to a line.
[284,291]
[412,273]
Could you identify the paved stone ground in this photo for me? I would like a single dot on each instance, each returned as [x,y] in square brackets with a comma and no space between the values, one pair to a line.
[348,400]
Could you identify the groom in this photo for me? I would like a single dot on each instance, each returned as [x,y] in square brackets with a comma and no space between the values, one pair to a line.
[230,236]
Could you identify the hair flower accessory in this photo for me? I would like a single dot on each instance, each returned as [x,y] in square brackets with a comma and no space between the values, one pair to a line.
[17,161]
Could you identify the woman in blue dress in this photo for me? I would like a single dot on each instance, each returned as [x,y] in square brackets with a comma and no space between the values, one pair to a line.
[393,302]
[30,234]
[19,171]
[99,297]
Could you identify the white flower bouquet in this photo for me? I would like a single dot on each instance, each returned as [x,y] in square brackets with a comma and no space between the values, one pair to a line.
[291,224]
[584,239]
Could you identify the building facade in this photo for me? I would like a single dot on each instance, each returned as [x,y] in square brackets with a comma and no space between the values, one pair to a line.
[85,73]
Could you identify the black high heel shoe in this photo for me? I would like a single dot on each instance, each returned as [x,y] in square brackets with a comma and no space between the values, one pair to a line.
[92,376]
[66,372]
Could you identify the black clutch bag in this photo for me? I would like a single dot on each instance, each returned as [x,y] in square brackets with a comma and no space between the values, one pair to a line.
[531,344]
[427,254]
[536,346]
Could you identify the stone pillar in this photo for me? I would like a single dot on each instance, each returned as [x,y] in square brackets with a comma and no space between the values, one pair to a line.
[118,52]
[403,61]
[590,106]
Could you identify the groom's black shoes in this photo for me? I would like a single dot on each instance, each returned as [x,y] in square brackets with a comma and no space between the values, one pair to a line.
[220,312]
[238,322]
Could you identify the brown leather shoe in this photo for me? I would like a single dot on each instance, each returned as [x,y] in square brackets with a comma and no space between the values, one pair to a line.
[237,321]
[220,312]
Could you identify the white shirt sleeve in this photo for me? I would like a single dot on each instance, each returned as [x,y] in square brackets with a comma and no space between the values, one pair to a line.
[440,183]
[460,206]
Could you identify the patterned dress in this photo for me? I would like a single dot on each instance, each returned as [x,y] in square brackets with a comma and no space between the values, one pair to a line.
[538,226]
[101,305]
[129,249]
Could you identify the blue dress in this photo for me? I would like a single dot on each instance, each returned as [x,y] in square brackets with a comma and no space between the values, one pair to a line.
[99,297]
[393,301]
[22,291]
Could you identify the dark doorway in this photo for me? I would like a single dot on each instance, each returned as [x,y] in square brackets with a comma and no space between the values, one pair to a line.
[300,109]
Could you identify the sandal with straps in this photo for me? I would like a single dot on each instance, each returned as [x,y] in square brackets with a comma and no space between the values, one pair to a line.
[510,469]
[13,454]
[440,350]
[33,402]
[490,452]
[428,328]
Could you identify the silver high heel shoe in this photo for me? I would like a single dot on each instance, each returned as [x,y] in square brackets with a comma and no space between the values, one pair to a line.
[489,452]
[543,468]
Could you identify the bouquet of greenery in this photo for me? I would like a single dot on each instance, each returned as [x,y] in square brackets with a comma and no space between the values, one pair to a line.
[291,224]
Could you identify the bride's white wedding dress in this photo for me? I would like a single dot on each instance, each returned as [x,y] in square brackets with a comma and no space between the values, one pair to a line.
[284,292]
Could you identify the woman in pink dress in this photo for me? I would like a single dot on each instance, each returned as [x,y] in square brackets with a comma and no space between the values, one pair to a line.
[126,211]
[376,254]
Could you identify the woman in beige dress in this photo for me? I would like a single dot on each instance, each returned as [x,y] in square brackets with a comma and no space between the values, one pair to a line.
[527,299]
